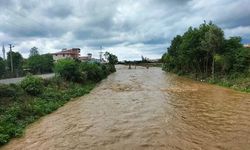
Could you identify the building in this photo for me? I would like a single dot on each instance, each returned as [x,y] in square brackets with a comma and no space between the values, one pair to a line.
[73,53]
[247,45]
[86,58]
[154,60]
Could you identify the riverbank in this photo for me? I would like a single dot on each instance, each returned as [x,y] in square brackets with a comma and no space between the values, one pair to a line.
[24,103]
[18,109]
[238,83]
[144,64]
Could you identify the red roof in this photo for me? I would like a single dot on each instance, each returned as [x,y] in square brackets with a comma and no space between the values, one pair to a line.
[73,51]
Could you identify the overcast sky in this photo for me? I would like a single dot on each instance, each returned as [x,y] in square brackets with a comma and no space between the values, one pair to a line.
[127,28]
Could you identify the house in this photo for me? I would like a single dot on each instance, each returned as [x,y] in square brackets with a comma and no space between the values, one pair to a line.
[86,58]
[73,53]
[154,60]
[247,45]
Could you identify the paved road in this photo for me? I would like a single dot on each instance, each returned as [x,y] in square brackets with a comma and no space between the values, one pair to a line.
[17,80]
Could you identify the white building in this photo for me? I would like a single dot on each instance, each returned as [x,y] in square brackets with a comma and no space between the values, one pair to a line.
[73,53]
[247,45]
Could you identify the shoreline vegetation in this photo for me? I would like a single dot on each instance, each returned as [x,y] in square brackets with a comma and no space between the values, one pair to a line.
[24,103]
[204,54]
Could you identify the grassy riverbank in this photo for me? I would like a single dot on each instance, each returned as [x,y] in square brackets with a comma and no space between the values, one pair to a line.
[238,82]
[18,109]
[24,103]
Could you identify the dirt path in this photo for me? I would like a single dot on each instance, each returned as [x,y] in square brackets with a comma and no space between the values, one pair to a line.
[145,109]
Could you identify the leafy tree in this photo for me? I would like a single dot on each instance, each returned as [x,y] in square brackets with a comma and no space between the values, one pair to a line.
[17,60]
[213,43]
[205,51]
[112,59]
[242,60]
[40,63]
[33,51]
[2,67]
[93,70]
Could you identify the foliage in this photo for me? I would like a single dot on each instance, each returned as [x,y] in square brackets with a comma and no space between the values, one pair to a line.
[33,51]
[94,71]
[112,59]
[32,85]
[17,60]
[40,63]
[201,50]
[206,53]
[68,69]
[19,114]
[71,70]
[242,60]
[7,90]
[45,96]
[2,67]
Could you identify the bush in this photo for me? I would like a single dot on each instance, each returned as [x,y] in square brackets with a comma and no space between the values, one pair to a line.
[55,82]
[111,68]
[68,69]
[7,90]
[93,70]
[32,85]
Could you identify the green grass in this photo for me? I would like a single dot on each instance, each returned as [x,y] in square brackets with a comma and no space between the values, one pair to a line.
[237,82]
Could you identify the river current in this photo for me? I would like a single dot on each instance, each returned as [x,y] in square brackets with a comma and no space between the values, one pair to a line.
[145,109]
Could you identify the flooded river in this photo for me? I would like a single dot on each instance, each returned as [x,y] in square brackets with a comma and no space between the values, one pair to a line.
[145,109]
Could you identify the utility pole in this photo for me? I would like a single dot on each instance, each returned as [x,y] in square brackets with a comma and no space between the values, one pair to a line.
[11,60]
[101,54]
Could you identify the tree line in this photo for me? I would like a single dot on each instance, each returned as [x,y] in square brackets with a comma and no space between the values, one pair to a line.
[206,53]
[35,64]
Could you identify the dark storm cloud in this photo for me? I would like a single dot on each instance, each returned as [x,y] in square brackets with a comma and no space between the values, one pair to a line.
[129,28]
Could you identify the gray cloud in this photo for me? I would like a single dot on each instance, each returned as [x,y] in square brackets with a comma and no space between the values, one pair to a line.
[128,28]
[60,11]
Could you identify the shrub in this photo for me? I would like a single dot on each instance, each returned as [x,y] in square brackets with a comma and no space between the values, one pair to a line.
[32,85]
[93,70]
[111,68]
[7,91]
[55,81]
[68,69]
[51,94]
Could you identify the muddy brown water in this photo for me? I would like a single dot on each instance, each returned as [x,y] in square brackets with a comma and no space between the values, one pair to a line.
[145,109]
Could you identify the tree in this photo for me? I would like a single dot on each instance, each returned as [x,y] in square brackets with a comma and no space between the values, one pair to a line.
[112,59]
[33,51]
[242,60]
[213,43]
[40,63]
[2,67]
[17,60]
[205,50]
